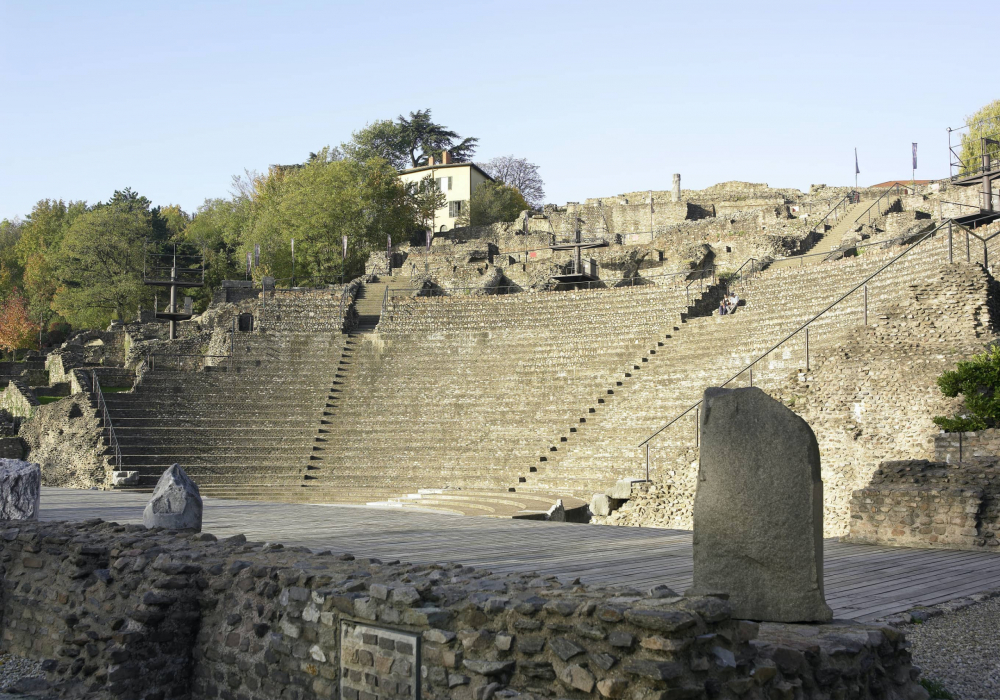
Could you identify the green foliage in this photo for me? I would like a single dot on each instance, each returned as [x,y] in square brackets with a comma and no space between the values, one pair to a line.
[936,690]
[408,142]
[984,123]
[493,202]
[977,380]
[319,204]
[427,199]
[99,265]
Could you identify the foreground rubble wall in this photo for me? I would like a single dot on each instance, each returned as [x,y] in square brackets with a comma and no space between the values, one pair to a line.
[117,611]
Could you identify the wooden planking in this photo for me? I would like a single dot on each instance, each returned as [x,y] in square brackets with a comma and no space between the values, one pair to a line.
[862,582]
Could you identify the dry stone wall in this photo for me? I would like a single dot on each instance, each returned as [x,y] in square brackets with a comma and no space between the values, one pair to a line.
[117,611]
[918,503]
[873,398]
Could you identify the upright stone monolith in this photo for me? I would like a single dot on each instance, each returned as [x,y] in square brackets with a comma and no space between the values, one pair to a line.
[20,489]
[676,194]
[758,509]
[176,502]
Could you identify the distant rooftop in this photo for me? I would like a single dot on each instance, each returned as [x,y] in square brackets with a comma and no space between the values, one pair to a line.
[890,183]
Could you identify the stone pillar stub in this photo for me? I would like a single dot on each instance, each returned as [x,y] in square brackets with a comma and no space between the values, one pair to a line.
[758,509]
[676,197]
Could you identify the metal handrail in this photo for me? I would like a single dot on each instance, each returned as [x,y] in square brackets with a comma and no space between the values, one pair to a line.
[774,347]
[895,188]
[106,418]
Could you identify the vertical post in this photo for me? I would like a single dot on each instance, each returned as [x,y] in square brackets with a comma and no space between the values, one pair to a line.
[986,261]
[697,427]
[960,447]
[647,461]
[751,375]
[951,256]
[173,299]
[232,345]
[866,304]
[968,257]
[807,348]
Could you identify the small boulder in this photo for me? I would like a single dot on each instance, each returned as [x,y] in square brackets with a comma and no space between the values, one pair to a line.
[176,502]
[123,478]
[20,489]
[600,504]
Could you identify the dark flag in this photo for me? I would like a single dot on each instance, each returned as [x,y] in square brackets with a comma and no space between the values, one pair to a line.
[856,168]
[248,263]
[256,254]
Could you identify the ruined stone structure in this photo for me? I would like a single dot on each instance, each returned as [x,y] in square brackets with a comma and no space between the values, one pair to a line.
[918,503]
[320,396]
[118,611]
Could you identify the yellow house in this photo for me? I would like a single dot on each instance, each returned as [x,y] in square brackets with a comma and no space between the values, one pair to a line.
[457,180]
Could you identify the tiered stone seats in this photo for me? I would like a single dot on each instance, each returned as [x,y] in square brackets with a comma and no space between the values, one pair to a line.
[708,351]
[464,391]
[244,433]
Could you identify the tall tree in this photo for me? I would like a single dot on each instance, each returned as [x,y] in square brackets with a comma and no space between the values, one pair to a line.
[100,264]
[427,199]
[409,141]
[493,202]
[518,173]
[17,331]
[984,123]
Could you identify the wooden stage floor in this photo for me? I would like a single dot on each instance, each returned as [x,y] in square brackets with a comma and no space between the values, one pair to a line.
[863,582]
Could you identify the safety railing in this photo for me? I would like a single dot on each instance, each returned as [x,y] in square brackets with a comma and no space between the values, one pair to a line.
[748,368]
[106,420]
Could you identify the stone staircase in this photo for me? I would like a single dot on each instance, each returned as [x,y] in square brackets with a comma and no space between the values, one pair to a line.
[830,240]
[368,302]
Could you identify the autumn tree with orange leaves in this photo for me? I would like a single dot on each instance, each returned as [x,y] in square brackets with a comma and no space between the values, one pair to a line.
[17,331]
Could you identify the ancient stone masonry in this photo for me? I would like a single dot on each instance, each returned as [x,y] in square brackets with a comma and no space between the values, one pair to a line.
[118,611]
[872,398]
[917,503]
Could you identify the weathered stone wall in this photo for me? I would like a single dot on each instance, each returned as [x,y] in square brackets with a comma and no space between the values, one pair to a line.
[121,612]
[18,400]
[64,438]
[873,398]
[917,503]
[981,447]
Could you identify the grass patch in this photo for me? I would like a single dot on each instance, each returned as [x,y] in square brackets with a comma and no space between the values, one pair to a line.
[936,690]
[48,399]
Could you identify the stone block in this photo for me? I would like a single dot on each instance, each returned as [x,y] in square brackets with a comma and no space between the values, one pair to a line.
[124,478]
[176,502]
[758,510]
[600,504]
[20,489]
[622,489]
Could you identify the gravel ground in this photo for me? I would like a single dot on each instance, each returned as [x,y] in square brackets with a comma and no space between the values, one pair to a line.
[959,650]
[14,668]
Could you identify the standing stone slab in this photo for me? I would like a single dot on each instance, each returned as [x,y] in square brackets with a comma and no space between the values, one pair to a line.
[176,502]
[20,489]
[758,509]
[378,663]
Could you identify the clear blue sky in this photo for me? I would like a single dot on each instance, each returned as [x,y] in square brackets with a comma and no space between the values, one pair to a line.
[173,98]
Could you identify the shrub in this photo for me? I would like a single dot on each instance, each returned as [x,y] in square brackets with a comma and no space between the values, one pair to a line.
[977,380]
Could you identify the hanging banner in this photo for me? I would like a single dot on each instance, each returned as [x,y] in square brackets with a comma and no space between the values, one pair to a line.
[430,237]
[856,168]
[345,247]
[914,156]
[256,254]
[248,264]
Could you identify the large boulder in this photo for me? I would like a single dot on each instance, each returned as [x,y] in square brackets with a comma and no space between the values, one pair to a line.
[176,502]
[758,509]
[20,489]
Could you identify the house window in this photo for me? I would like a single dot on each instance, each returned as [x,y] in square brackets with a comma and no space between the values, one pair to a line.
[454,209]
[444,183]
